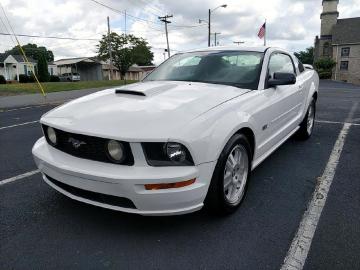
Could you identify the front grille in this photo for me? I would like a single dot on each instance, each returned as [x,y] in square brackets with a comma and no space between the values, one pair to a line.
[93,148]
[94,196]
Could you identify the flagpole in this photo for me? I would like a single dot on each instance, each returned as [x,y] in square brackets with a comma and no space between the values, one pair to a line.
[265,33]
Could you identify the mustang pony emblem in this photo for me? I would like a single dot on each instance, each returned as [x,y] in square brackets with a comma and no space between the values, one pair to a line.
[76,143]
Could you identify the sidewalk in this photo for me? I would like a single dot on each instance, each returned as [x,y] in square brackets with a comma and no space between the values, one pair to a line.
[38,99]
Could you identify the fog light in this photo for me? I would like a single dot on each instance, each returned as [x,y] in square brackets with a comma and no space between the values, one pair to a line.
[51,134]
[116,151]
[169,185]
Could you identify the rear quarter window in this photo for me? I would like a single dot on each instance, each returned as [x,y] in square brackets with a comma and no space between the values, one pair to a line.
[299,65]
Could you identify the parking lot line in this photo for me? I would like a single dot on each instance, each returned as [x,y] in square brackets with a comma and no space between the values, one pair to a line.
[335,122]
[300,246]
[21,124]
[34,107]
[18,177]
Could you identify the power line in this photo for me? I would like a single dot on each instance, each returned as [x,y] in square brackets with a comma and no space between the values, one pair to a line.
[141,20]
[122,12]
[22,52]
[141,4]
[188,26]
[50,37]
[152,6]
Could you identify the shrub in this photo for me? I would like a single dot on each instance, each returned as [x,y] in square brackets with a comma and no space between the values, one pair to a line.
[2,79]
[31,78]
[54,78]
[325,64]
[43,73]
[23,78]
[324,67]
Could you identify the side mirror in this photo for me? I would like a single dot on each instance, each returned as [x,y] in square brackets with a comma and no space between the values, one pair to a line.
[281,78]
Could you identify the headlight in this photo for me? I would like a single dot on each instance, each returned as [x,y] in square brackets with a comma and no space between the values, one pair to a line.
[167,154]
[51,134]
[116,151]
[176,152]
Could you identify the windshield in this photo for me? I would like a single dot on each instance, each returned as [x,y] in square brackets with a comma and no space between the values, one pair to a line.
[236,68]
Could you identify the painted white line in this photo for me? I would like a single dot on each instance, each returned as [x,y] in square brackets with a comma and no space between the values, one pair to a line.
[18,177]
[300,246]
[21,124]
[335,122]
[24,108]
[35,106]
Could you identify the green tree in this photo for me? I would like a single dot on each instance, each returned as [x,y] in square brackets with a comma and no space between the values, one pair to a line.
[307,56]
[42,69]
[33,51]
[126,51]
[324,67]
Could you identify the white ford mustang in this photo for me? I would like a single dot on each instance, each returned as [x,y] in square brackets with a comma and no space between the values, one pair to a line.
[188,135]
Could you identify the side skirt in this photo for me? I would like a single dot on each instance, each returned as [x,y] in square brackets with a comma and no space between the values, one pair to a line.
[260,159]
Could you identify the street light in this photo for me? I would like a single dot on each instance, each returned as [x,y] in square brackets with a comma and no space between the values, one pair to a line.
[209,20]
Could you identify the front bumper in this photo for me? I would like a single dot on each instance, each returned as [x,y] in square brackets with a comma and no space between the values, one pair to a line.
[113,180]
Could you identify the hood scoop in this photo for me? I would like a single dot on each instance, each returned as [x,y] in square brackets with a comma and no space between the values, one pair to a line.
[129,92]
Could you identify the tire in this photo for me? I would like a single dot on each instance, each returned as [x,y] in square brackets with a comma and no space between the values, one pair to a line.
[220,199]
[307,125]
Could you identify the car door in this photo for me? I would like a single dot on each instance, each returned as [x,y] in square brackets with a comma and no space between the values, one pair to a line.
[281,107]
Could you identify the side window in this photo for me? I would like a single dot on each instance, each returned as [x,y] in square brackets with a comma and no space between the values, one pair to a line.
[326,49]
[345,52]
[280,62]
[299,65]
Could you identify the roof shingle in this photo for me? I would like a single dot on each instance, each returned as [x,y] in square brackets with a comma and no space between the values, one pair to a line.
[347,31]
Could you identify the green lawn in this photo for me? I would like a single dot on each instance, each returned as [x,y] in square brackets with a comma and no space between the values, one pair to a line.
[31,88]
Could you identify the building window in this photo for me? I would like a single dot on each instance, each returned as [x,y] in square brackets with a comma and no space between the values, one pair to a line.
[326,49]
[344,65]
[345,51]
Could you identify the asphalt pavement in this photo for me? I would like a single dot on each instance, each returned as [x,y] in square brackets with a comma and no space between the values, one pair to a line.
[42,229]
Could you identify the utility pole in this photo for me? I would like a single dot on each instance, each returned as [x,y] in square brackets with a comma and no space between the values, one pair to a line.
[215,34]
[166,21]
[239,42]
[110,53]
[125,21]
[209,23]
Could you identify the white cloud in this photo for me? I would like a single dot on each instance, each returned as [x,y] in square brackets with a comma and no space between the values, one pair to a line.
[292,24]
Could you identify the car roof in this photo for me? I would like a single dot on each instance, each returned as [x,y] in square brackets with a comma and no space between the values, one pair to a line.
[231,48]
[236,48]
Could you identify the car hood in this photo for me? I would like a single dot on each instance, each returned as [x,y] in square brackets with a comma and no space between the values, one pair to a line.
[141,111]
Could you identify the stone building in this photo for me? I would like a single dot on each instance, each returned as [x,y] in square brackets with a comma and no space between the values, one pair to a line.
[340,40]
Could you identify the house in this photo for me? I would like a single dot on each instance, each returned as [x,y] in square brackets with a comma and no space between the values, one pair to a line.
[93,69]
[339,40]
[105,65]
[11,66]
[88,68]
[134,73]
[137,73]
[52,69]
[147,69]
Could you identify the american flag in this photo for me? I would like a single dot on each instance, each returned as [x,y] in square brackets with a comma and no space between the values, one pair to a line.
[262,31]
